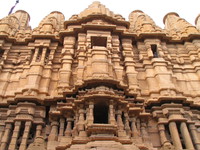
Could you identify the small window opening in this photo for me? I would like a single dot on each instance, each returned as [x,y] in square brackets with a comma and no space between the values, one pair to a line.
[47,56]
[167,132]
[21,132]
[123,118]
[98,41]
[101,114]
[39,55]
[32,54]
[154,51]
[10,136]
[31,135]
[47,115]
[1,53]
[180,135]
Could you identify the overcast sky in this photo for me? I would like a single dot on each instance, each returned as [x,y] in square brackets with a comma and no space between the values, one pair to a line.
[157,9]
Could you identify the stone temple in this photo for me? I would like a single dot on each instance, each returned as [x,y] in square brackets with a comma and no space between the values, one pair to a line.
[99,82]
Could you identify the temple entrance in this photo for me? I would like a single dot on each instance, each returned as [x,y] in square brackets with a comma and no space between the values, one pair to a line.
[101,113]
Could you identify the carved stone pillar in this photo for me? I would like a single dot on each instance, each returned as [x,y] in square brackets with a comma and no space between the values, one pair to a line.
[1,132]
[66,60]
[130,65]
[81,123]
[144,132]
[25,135]
[44,51]
[38,130]
[163,137]
[15,135]
[87,113]
[138,125]
[195,137]
[121,132]
[174,135]
[111,115]
[49,55]
[119,120]
[54,131]
[68,131]
[100,66]
[35,55]
[116,58]
[81,57]
[62,125]
[186,136]
[6,136]
[126,124]
[134,128]
[75,128]
[91,115]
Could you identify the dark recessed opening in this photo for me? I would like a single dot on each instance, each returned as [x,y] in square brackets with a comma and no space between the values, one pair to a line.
[39,55]
[101,114]
[154,51]
[1,52]
[47,56]
[98,41]
[178,124]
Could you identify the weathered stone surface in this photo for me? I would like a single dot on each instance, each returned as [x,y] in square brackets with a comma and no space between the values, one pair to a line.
[38,144]
[99,82]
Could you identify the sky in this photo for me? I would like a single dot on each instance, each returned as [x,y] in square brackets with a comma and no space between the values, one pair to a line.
[156,9]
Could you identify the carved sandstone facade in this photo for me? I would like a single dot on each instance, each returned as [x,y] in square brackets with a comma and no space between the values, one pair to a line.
[97,81]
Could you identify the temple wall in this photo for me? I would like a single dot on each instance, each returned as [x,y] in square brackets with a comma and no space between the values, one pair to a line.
[97,81]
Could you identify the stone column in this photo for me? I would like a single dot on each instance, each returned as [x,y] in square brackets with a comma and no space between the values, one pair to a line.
[126,124]
[111,114]
[44,51]
[186,136]
[163,137]
[33,76]
[144,132]
[75,128]
[35,55]
[62,125]
[121,132]
[91,115]
[134,128]
[53,136]
[138,125]
[81,57]
[99,63]
[38,130]
[66,60]
[175,136]
[68,131]
[6,136]
[25,135]
[119,120]
[129,63]
[1,132]
[48,58]
[81,123]
[15,135]
[195,137]
[116,58]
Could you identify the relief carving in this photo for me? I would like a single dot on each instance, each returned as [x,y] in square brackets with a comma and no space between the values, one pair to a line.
[97,81]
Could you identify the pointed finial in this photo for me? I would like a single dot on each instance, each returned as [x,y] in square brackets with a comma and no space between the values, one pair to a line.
[17,1]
